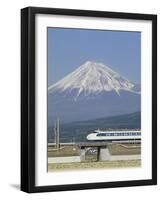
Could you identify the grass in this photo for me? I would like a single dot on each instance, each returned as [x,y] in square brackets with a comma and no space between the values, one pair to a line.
[72,150]
[94,165]
[90,163]
[124,149]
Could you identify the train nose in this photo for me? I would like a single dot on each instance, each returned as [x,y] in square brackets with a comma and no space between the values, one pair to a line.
[89,137]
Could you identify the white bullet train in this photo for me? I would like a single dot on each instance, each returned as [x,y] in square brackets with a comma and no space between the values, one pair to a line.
[122,135]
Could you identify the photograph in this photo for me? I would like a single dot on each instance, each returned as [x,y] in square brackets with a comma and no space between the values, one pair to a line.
[89,99]
[93,99]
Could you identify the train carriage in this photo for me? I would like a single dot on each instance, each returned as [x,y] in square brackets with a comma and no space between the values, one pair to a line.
[122,135]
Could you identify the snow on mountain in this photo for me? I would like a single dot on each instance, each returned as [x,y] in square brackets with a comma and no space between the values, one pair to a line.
[92,91]
[92,78]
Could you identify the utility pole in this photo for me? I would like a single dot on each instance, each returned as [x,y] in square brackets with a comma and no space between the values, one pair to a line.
[57,134]
[58,142]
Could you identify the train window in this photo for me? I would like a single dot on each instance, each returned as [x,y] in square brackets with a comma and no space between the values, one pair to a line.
[103,134]
[118,134]
[95,131]
[99,134]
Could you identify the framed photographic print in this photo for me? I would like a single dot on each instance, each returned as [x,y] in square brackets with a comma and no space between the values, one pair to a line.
[88,99]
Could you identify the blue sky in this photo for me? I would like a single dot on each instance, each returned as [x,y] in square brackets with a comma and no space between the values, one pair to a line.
[69,48]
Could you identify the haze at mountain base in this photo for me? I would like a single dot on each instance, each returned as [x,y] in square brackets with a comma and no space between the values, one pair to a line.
[92,91]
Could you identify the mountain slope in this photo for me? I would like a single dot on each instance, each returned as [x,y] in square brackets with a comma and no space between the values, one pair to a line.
[93,90]
[92,78]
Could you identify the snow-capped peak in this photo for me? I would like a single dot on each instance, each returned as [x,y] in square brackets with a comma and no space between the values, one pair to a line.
[92,78]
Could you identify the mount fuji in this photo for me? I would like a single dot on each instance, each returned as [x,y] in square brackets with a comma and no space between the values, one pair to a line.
[93,90]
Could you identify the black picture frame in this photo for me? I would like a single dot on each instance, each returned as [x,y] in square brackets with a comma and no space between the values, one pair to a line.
[28,99]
